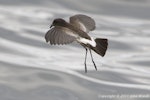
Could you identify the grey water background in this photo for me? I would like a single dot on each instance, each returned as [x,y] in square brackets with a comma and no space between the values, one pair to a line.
[31,69]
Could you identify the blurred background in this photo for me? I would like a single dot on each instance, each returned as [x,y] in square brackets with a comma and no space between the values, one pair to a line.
[31,69]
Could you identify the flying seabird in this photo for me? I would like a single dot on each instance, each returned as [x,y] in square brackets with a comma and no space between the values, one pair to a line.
[62,32]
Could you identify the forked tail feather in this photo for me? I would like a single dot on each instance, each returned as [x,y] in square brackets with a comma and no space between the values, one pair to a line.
[101,46]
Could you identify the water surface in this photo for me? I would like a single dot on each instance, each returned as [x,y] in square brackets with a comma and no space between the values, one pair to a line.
[31,69]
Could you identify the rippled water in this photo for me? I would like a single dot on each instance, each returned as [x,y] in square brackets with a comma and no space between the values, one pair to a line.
[31,69]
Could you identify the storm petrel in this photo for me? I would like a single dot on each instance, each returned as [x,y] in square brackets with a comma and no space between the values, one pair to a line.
[62,32]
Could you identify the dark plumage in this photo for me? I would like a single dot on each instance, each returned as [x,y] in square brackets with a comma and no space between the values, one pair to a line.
[62,32]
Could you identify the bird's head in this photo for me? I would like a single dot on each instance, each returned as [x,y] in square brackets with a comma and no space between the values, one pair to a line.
[58,22]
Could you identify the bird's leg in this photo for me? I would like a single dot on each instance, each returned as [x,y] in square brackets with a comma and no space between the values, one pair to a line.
[92,59]
[85,59]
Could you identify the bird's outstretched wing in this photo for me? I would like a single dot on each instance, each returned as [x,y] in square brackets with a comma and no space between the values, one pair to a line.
[83,22]
[59,35]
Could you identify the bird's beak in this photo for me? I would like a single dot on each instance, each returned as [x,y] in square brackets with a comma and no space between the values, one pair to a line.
[51,26]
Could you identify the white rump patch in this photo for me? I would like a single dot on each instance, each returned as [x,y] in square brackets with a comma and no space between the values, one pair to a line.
[87,41]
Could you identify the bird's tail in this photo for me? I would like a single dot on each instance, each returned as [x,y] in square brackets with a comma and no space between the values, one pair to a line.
[101,46]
